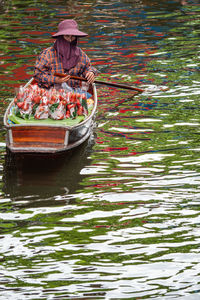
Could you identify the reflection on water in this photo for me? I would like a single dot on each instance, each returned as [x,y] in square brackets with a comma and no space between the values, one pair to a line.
[117,218]
[44,177]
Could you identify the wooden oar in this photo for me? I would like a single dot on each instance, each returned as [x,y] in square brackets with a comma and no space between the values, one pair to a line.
[123,86]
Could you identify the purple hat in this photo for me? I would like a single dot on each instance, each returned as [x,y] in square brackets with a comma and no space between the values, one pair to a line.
[68,27]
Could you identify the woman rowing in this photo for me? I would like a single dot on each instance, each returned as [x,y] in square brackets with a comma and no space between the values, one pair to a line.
[64,56]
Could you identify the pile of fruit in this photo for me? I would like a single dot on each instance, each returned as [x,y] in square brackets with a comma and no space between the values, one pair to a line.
[40,103]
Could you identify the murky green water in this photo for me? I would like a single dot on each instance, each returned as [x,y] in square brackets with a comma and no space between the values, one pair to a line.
[119,217]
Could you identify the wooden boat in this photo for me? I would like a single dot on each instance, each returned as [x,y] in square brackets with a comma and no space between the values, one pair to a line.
[43,138]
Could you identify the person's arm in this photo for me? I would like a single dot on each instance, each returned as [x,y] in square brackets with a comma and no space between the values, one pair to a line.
[89,71]
[43,73]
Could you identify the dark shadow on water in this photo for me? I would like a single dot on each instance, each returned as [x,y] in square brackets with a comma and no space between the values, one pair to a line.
[44,177]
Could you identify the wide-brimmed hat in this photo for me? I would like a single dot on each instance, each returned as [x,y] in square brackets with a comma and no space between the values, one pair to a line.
[68,27]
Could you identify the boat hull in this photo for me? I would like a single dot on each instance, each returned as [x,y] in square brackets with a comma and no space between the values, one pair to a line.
[48,138]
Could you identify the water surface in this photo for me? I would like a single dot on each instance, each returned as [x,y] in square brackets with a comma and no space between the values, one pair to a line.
[117,218]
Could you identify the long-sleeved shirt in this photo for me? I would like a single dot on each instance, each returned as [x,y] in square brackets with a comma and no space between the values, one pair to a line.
[47,64]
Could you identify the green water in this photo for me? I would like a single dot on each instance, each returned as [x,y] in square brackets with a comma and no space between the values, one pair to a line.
[118,218]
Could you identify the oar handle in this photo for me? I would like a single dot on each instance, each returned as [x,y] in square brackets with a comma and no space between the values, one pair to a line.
[123,86]
[71,76]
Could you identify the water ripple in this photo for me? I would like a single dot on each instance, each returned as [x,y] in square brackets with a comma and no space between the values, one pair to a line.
[119,217]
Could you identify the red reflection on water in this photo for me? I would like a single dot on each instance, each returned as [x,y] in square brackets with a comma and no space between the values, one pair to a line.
[100,185]
[159,34]
[33,32]
[115,148]
[129,55]
[21,72]
[117,36]
[124,110]
[100,36]
[32,9]
[36,41]
[133,153]
[99,140]
[15,48]
[104,21]
[24,55]
[7,65]
[102,63]
[18,74]
[130,34]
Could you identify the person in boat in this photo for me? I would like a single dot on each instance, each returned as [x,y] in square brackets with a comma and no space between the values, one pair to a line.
[64,56]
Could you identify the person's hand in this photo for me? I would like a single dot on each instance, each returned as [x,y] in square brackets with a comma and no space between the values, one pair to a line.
[90,77]
[60,80]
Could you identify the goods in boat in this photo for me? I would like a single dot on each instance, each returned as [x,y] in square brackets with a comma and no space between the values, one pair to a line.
[49,121]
